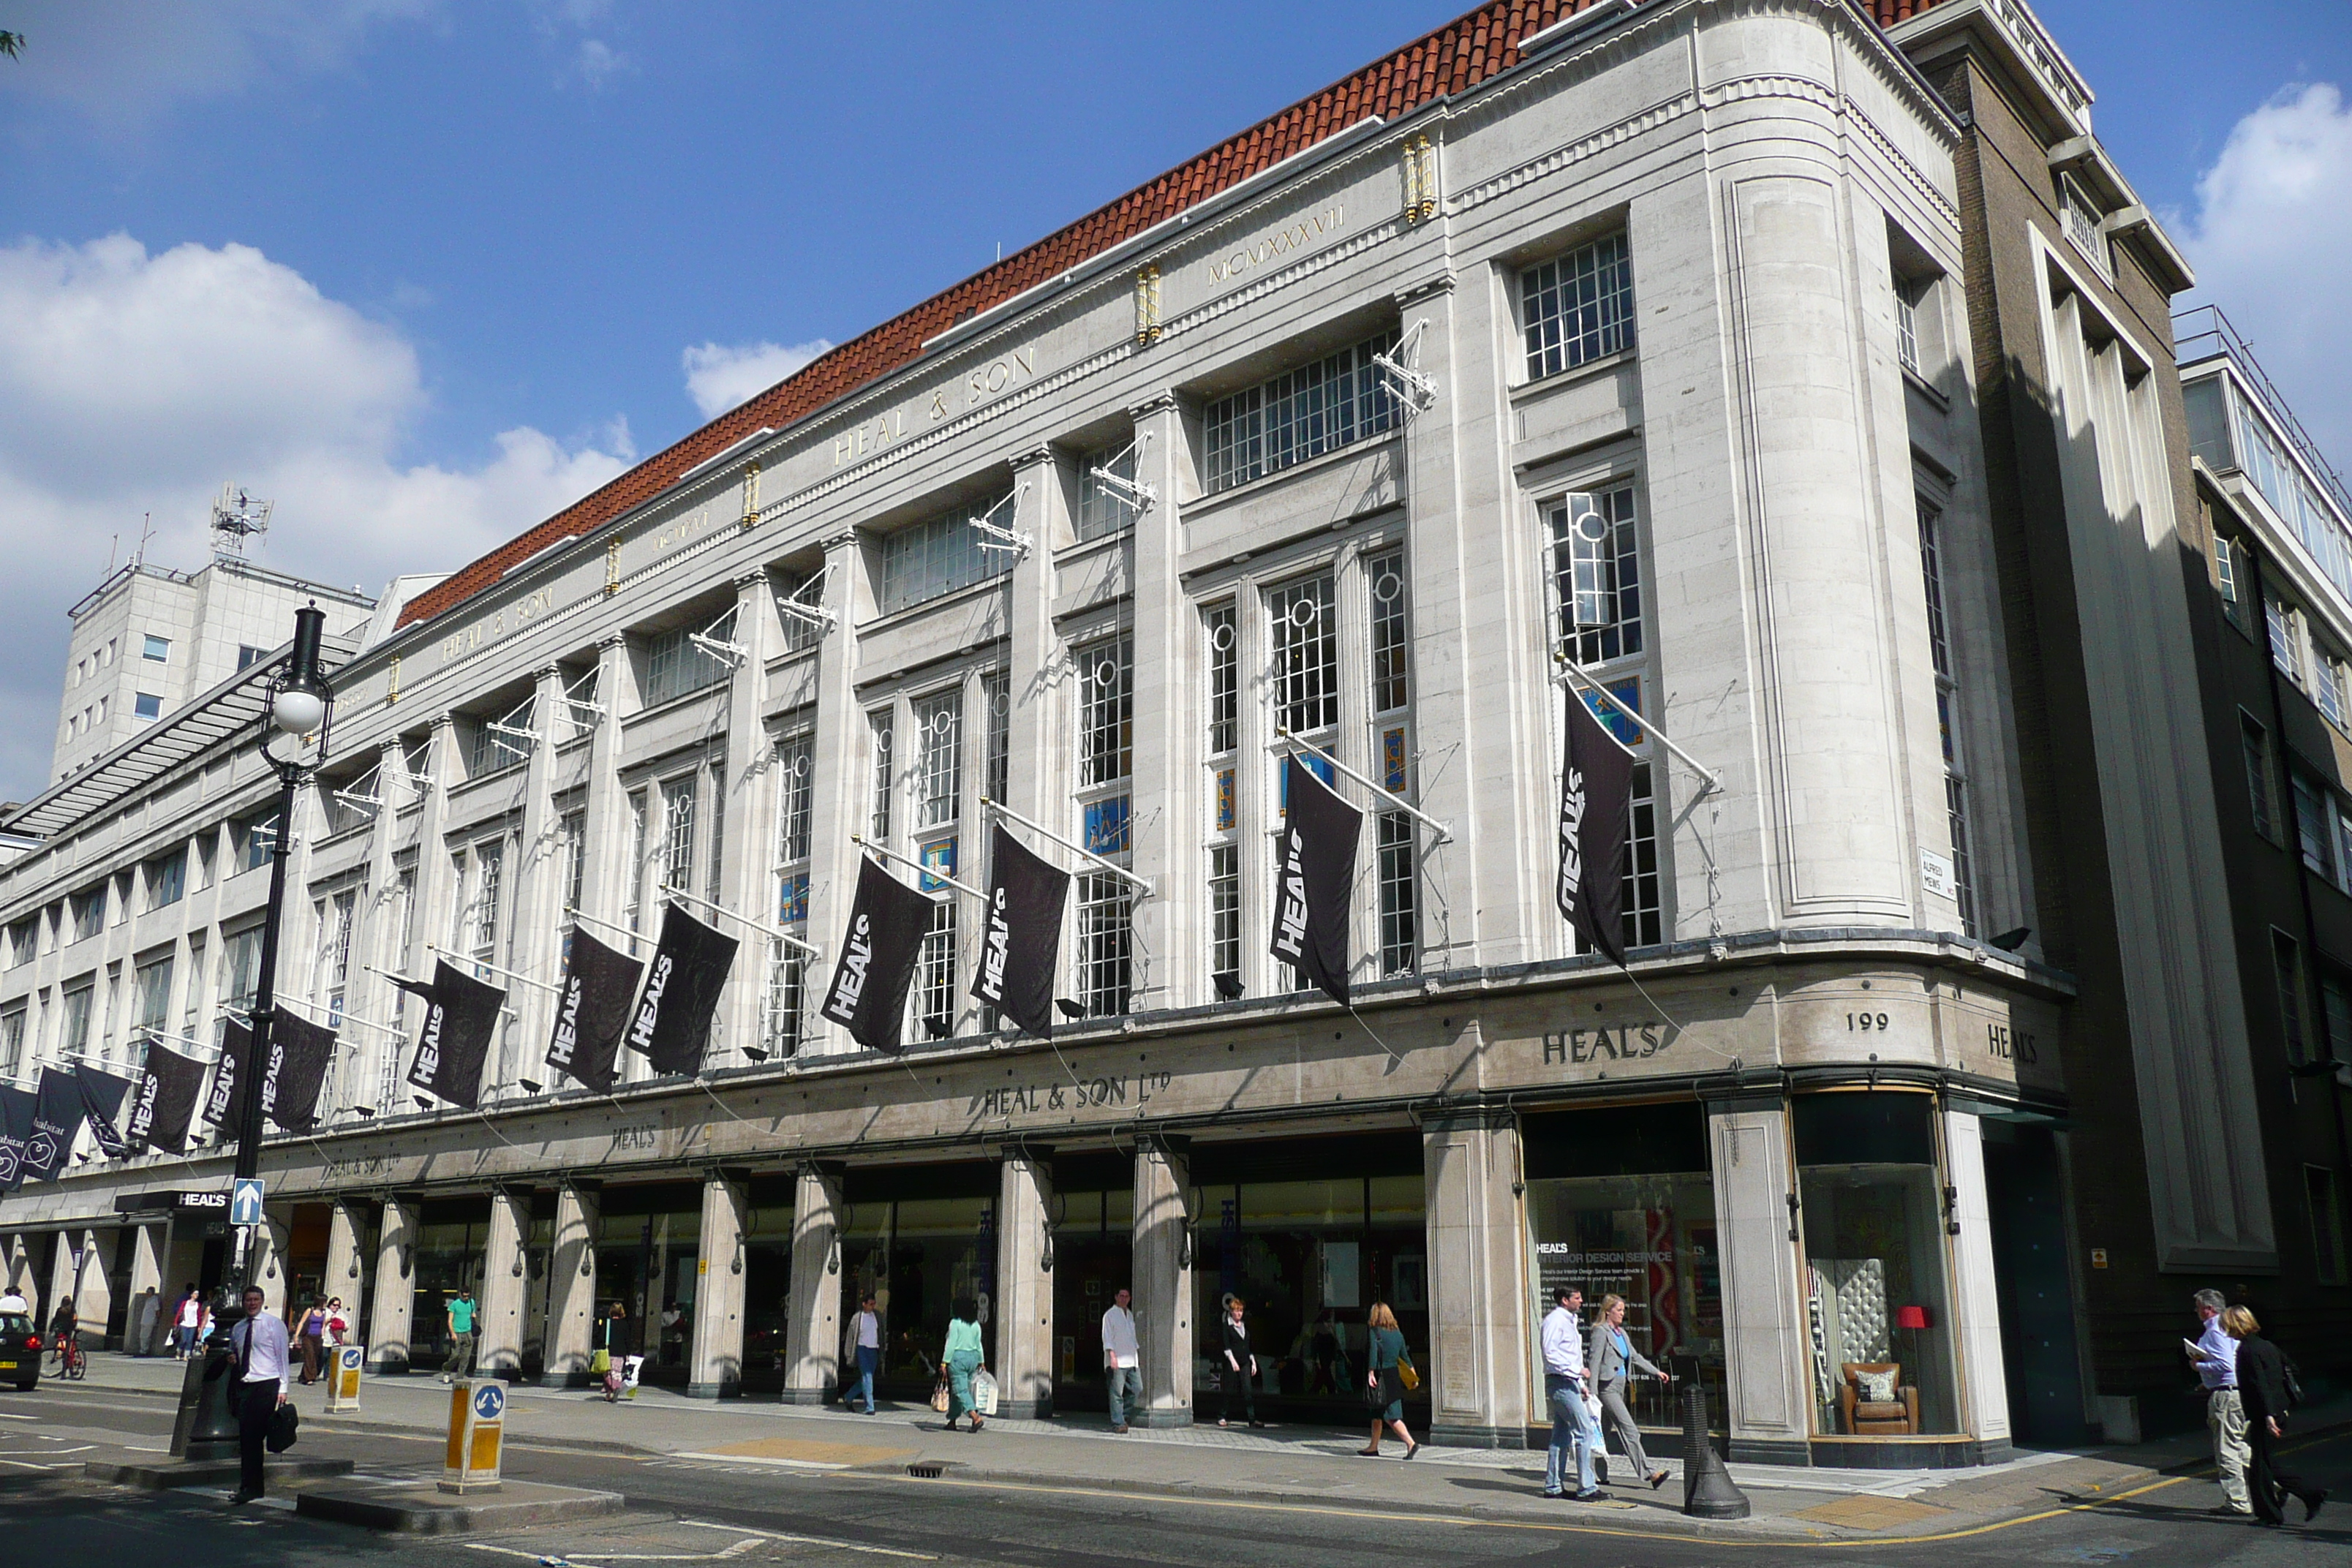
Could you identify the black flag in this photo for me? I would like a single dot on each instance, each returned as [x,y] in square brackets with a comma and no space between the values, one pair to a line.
[102,1102]
[56,1117]
[868,994]
[1315,865]
[237,1043]
[300,1054]
[682,984]
[16,1132]
[1026,898]
[166,1101]
[1596,819]
[461,1012]
[593,1011]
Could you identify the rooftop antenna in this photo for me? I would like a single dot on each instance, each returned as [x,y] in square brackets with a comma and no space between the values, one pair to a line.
[237,517]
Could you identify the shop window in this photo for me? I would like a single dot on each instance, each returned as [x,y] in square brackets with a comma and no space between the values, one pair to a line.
[647,1265]
[919,1258]
[1877,1306]
[1623,1200]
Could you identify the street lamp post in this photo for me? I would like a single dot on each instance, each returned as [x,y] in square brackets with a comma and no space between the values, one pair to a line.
[301,704]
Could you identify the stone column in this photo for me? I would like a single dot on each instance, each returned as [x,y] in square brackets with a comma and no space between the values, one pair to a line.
[345,1222]
[535,924]
[1165,845]
[1033,757]
[1024,1287]
[1764,1332]
[23,1271]
[63,1263]
[146,1281]
[1481,1382]
[813,1337]
[841,784]
[93,1289]
[1162,1271]
[746,878]
[395,1289]
[498,1344]
[572,1284]
[1982,1375]
[436,890]
[270,1239]
[715,1369]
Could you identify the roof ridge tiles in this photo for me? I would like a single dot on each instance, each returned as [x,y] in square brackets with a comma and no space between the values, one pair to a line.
[1441,63]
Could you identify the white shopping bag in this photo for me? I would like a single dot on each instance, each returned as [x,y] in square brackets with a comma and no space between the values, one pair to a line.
[983,1392]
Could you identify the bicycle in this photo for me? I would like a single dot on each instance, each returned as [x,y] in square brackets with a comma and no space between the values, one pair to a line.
[71,1362]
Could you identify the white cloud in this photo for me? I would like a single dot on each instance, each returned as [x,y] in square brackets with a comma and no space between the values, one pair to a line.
[719,376]
[132,385]
[123,62]
[2273,227]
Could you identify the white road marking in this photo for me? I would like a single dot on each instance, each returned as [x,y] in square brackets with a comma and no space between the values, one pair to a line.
[810,1540]
[22,1465]
[5,1415]
[763,1460]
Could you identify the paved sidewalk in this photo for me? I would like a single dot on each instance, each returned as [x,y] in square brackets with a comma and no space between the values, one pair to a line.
[1314,1466]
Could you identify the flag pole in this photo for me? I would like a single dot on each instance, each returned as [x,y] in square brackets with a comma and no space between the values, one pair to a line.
[503,974]
[1141,884]
[761,927]
[1386,797]
[584,918]
[935,875]
[1576,672]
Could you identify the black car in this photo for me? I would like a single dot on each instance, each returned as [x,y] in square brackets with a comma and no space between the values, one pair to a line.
[20,1351]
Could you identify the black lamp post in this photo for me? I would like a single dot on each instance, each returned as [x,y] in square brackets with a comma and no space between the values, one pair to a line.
[301,704]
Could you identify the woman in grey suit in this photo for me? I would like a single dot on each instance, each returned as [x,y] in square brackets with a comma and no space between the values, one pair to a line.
[1610,1359]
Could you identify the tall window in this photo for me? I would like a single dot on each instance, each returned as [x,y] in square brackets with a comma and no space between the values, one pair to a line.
[2287,643]
[1222,645]
[337,916]
[804,590]
[1224,677]
[2314,824]
[1106,762]
[1907,322]
[88,913]
[880,724]
[2255,741]
[153,984]
[2287,961]
[924,560]
[73,1032]
[676,664]
[938,808]
[11,1041]
[1597,562]
[677,833]
[573,837]
[1644,909]
[1400,884]
[938,733]
[1300,414]
[479,919]
[640,828]
[997,693]
[780,1008]
[1947,699]
[240,971]
[1104,510]
[1391,682]
[2229,578]
[1306,644]
[1577,307]
[1225,921]
[935,972]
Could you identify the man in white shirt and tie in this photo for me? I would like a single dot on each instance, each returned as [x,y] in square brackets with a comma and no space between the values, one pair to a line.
[1564,1381]
[1122,1364]
[257,1365]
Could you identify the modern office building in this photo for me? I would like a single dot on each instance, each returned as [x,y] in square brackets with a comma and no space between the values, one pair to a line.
[1657,337]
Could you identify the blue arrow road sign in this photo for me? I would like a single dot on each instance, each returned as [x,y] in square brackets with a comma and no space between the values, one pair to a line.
[245,1201]
[489,1402]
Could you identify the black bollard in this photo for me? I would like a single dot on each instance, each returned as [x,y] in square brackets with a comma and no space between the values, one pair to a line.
[205,1427]
[1708,1490]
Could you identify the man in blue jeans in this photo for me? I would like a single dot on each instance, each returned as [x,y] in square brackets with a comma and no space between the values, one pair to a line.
[1122,1365]
[1571,1424]
[868,1334]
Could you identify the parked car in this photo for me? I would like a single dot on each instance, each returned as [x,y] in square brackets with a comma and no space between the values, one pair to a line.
[20,1351]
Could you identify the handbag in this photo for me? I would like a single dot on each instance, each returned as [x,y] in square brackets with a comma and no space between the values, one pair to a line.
[600,1361]
[939,1396]
[283,1423]
[983,1392]
[1407,1374]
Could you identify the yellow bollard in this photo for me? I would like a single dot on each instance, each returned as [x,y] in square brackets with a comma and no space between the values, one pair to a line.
[477,1413]
[343,1378]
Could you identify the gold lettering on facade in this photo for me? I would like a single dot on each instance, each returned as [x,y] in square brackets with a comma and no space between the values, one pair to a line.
[1290,241]
[612,566]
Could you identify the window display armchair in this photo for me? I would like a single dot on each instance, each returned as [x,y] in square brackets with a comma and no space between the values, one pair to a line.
[1896,1417]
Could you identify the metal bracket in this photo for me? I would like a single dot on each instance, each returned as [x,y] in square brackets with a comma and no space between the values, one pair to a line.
[1416,391]
[1136,493]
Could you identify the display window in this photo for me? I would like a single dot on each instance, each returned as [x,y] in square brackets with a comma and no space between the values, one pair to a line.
[767,1287]
[645,1265]
[447,1259]
[1877,1298]
[1094,1244]
[920,1257]
[1621,1200]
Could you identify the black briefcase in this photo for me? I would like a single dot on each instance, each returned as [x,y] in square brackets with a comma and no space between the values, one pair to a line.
[283,1421]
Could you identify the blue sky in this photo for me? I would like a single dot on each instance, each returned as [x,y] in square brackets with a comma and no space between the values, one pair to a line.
[431,268]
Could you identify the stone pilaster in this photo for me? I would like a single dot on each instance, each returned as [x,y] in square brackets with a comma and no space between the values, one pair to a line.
[535,926]
[1764,1332]
[346,1225]
[1162,1272]
[146,1284]
[1164,842]
[715,1366]
[842,780]
[572,1284]
[94,1289]
[812,1336]
[394,1301]
[498,1344]
[748,806]
[1024,1287]
[1982,1376]
[1034,773]
[1480,1381]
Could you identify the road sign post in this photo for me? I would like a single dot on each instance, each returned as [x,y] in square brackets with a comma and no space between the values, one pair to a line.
[343,1380]
[245,1201]
[477,1413]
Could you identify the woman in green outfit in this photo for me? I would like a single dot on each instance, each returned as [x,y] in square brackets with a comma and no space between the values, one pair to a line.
[961,1358]
[1383,1384]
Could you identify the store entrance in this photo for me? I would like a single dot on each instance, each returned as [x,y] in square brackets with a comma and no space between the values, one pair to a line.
[1094,1244]
[920,1240]
[648,1241]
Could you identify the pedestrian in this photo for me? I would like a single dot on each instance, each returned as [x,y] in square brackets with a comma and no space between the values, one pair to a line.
[13,1301]
[1613,1361]
[962,1357]
[339,1327]
[2262,1371]
[2216,1355]
[258,1344]
[1564,1385]
[1122,1359]
[1384,1383]
[1240,1375]
[461,1337]
[185,1320]
[866,1342]
[313,1336]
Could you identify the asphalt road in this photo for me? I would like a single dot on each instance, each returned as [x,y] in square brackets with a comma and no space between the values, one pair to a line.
[687,1513]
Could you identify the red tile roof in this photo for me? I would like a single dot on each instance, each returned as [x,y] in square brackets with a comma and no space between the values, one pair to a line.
[1458,56]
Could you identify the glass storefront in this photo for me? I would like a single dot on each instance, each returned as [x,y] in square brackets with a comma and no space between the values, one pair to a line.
[451,1234]
[1093,1246]
[1308,1256]
[1877,1301]
[767,1282]
[922,1241]
[649,1242]
[1621,1200]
